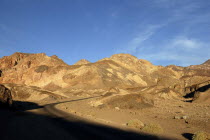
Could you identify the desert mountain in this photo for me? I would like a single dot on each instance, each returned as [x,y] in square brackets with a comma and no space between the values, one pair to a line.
[52,73]
[122,71]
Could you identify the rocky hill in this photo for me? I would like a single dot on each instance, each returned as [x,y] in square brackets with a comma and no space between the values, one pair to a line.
[29,69]
[122,71]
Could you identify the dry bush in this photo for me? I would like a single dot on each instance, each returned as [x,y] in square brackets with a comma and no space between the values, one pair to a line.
[153,128]
[135,124]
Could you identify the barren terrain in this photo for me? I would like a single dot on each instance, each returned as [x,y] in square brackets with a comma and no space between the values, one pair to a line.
[162,113]
[124,94]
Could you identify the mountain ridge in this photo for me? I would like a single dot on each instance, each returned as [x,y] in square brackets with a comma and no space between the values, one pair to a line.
[120,70]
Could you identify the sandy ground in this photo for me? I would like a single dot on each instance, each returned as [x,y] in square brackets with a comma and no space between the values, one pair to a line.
[163,113]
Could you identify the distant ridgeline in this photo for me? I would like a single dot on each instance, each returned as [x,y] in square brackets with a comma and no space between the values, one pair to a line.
[121,71]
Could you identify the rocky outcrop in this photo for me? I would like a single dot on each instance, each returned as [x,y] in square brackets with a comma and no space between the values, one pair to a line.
[5,97]
[30,69]
[8,62]
[31,93]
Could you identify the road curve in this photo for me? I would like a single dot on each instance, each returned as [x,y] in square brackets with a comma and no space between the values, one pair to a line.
[49,123]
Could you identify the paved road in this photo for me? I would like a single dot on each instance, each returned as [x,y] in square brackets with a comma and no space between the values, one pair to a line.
[48,123]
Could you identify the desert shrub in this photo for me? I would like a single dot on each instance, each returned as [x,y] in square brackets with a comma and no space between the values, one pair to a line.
[153,128]
[201,136]
[41,69]
[135,124]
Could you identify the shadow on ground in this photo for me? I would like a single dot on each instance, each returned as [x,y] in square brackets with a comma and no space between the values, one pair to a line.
[194,91]
[21,125]
[187,135]
[23,106]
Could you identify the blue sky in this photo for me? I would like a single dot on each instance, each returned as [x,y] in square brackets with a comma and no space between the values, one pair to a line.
[161,31]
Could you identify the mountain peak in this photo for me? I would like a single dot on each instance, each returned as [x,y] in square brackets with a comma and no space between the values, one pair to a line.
[145,62]
[123,56]
[82,62]
[20,59]
[207,62]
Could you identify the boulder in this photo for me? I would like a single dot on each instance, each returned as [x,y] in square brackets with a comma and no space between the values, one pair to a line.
[5,97]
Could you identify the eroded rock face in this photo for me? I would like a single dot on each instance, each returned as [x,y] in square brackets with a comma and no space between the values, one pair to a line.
[30,69]
[5,97]
[8,62]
